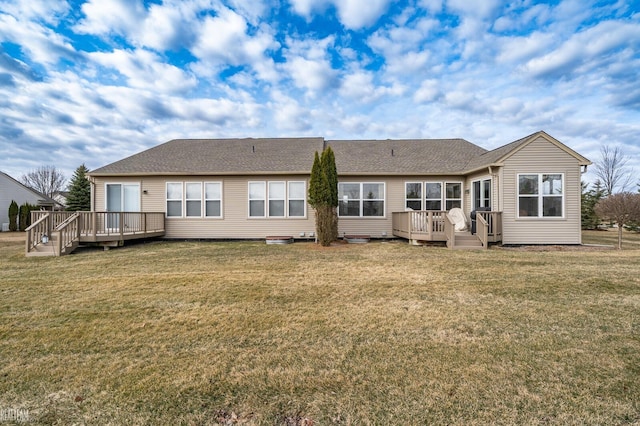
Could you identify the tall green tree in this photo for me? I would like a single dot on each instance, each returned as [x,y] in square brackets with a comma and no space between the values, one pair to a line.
[323,195]
[24,216]
[590,198]
[13,216]
[79,198]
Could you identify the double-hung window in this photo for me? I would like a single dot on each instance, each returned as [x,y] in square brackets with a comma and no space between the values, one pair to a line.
[433,196]
[413,195]
[361,199]
[257,198]
[193,195]
[213,199]
[540,195]
[174,199]
[453,195]
[277,199]
[297,195]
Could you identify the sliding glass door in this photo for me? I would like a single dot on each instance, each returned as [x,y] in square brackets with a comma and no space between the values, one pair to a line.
[121,198]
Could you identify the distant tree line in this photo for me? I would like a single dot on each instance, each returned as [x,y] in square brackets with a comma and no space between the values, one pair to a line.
[610,199]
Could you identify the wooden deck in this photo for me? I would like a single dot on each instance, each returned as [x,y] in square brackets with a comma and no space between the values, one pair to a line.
[59,233]
[435,225]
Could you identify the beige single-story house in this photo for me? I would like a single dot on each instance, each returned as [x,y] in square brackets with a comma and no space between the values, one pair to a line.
[255,188]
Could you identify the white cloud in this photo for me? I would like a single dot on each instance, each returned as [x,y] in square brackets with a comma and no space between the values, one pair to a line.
[167,28]
[146,70]
[106,17]
[223,40]
[360,86]
[589,45]
[353,14]
[515,49]
[309,66]
[429,91]
[47,11]
[288,114]
[39,42]
[404,48]
[481,9]
[433,6]
[313,75]
[356,14]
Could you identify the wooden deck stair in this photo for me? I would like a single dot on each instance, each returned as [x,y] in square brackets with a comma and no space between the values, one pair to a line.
[42,250]
[467,241]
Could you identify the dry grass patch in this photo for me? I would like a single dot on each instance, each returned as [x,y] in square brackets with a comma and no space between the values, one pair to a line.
[382,333]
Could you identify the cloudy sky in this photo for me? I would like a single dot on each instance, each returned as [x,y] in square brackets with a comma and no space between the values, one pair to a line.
[94,81]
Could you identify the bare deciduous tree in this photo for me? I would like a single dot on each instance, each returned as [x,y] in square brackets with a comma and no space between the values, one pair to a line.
[45,179]
[612,170]
[620,208]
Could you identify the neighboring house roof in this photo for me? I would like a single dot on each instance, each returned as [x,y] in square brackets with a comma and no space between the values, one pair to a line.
[61,197]
[43,200]
[295,156]
[405,156]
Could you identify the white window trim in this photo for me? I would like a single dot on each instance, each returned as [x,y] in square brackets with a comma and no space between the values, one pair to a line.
[444,193]
[284,200]
[122,200]
[362,199]
[204,206]
[166,200]
[482,180]
[184,196]
[303,199]
[249,199]
[421,199]
[540,197]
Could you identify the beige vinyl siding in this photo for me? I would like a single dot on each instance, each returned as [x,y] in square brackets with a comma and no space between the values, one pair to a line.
[468,190]
[235,222]
[377,227]
[541,156]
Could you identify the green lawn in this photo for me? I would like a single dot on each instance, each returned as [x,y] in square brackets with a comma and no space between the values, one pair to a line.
[200,333]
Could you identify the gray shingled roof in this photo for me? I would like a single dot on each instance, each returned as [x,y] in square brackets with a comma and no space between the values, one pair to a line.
[490,157]
[405,156]
[220,156]
[295,155]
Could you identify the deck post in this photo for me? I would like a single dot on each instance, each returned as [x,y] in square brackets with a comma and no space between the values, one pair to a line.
[144,223]
[94,224]
[79,225]
[121,222]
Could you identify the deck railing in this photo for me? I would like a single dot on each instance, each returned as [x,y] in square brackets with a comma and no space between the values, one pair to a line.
[67,234]
[450,231]
[66,230]
[104,224]
[40,226]
[492,221]
[428,225]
